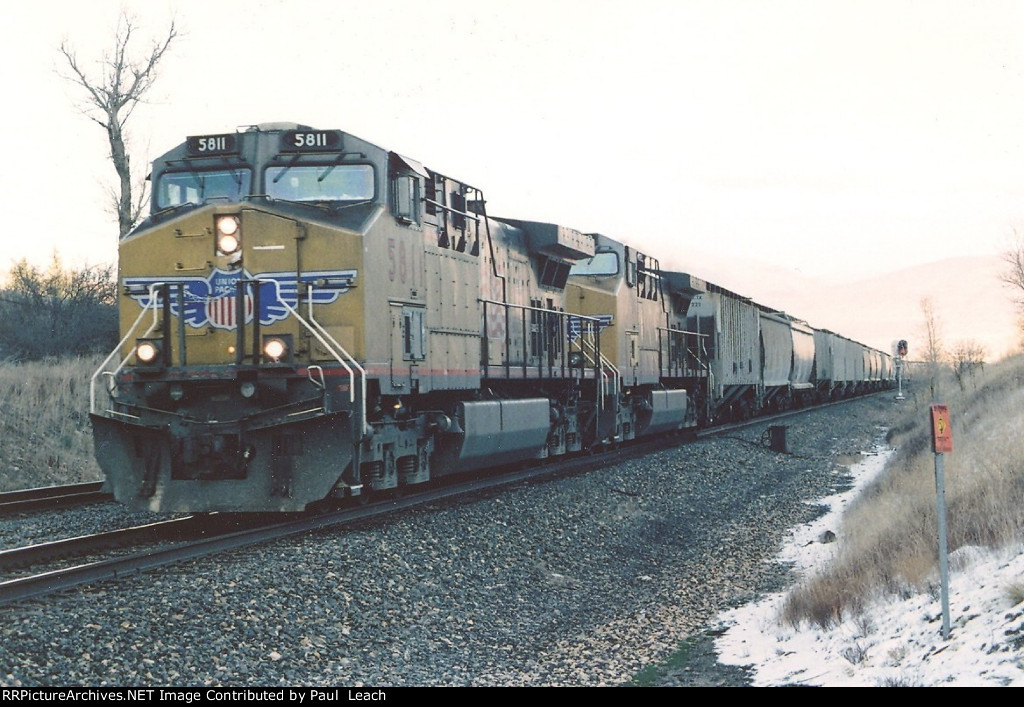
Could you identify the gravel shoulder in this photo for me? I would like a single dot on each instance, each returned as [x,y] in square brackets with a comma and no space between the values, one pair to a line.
[593,580]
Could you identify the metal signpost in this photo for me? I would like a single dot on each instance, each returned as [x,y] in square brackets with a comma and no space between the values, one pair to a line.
[942,443]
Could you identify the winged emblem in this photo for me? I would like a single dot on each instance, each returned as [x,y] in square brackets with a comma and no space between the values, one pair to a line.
[578,325]
[213,301]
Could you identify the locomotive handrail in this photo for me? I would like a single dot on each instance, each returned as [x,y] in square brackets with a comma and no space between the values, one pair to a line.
[321,384]
[362,372]
[601,362]
[315,328]
[538,309]
[567,316]
[687,348]
[332,346]
[321,334]
[601,372]
[684,331]
[151,302]
[317,331]
[464,214]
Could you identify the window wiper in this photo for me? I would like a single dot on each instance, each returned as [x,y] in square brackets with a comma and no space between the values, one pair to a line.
[327,205]
[354,203]
[288,166]
[327,171]
[330,169]
[316,204]
[171,209]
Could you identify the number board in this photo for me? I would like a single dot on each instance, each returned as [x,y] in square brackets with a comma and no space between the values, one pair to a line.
[311,141]
[202,145]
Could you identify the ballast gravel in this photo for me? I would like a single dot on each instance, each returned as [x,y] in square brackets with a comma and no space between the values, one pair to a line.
[591,580]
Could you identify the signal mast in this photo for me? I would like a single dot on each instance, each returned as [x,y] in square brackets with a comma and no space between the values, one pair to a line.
[901,352]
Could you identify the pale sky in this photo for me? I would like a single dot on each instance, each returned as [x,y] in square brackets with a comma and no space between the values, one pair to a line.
[842,137]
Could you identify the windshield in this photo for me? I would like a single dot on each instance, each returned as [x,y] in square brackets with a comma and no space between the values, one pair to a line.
[196,187]
[606,263]
[350,182]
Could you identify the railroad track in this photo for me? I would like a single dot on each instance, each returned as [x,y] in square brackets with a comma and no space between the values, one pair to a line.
[193,537]
[50,497]
[197,540]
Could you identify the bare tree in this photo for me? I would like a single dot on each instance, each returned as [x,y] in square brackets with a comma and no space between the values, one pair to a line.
[110,99]
[1013,275]
[934,349]
[57,311]
[968,358]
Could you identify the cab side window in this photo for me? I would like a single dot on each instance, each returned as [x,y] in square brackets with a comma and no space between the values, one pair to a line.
[405,197]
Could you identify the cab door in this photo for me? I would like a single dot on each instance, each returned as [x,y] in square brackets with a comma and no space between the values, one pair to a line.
[408,345]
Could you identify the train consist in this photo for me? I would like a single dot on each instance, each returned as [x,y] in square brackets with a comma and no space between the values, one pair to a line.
[307,316]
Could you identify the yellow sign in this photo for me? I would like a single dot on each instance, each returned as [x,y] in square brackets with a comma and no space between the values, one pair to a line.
[942,434]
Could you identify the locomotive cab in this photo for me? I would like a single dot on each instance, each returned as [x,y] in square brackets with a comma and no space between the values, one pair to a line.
[243,323]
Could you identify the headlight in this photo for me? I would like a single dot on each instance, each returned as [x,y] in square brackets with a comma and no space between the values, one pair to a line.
[227,245]
[227,225]
[229,235]
[275,348]
[147,351]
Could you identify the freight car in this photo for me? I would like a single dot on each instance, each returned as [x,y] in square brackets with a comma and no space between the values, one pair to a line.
[307,316]
[762,359]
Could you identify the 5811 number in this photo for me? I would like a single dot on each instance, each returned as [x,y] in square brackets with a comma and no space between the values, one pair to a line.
[300,140]
[211,145]
[311,140]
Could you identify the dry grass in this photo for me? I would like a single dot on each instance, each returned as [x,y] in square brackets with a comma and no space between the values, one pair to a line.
[45,437]
[889,535]
[1015,593]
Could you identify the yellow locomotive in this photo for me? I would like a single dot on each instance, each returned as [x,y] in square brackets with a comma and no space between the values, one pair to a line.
[307,316]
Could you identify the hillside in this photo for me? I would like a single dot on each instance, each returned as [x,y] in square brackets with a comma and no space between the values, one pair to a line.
[969,299]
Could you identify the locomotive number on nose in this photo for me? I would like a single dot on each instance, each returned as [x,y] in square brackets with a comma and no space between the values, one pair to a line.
[301,140]
[311,140]
[211,145]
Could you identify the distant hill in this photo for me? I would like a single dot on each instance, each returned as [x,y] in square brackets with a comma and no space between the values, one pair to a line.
[969,299]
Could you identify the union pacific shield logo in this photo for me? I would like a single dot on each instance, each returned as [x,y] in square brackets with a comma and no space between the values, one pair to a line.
[213,301]
[222,308]
[222,312]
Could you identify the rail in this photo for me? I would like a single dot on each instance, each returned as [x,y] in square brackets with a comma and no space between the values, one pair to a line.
[52,497]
